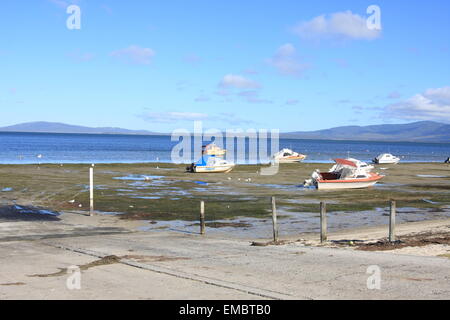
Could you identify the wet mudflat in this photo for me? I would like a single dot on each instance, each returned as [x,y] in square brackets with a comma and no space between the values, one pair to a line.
[167,197]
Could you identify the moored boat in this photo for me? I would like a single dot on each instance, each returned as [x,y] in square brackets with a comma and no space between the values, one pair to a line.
[288,156]
[386,158]
[345,174]
[211,164]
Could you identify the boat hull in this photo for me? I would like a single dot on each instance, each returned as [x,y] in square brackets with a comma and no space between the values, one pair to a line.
[348,184]
[213,169]
[290,159]
[387,161]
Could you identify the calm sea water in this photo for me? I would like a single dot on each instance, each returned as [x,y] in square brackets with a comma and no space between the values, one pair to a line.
[16,148]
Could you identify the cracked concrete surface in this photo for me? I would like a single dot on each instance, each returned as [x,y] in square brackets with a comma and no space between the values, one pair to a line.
[190,266]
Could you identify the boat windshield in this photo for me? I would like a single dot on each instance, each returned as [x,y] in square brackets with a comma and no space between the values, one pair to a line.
[204,160]
[346,173]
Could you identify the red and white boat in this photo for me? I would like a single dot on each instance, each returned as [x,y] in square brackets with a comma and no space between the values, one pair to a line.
[345,174]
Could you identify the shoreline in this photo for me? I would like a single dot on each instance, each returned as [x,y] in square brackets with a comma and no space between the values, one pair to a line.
[187,163]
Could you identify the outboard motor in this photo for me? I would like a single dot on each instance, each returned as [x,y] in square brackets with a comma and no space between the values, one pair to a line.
[190,168]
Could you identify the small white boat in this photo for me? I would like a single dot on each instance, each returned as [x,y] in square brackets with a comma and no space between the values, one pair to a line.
[386,158]
[288,156]
[211,164]
[345,174]
[213,150]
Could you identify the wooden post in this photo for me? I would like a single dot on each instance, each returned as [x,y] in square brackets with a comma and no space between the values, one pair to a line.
[202,217]
[323,222]
[392,221]
[91,191]
[274,220]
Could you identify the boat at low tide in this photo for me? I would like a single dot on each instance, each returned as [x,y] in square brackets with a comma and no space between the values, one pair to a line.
[211,164]
[288,156]
[386,158]
[345,174]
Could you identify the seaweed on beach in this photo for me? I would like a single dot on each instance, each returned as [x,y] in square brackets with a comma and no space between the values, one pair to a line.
[414,240]
[175,195]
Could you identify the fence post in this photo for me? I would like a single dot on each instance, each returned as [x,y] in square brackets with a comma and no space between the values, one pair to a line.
[392,221]
[274,220]
[323,222]
[202,217]
[91,191]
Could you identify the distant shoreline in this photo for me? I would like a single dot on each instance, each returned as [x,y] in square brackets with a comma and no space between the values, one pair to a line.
[282,136]
[183,164]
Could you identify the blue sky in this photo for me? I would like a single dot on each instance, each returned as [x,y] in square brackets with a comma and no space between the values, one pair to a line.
[288,65]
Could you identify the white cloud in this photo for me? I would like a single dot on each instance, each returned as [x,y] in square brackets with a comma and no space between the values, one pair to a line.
[340,25]
[286,61]
[433,104]
[237,81]
[135,54]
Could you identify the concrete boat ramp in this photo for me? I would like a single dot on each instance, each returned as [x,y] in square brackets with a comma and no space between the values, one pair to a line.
[38,260]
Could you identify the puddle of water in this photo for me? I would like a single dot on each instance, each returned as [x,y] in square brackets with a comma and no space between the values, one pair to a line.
[293,223]
[7,189]
[106,213]
[303,201]
[173,191]
[380,184]
[429,201]
[138,177]
[430,176]
[147,198]
[284,186]
[35,210]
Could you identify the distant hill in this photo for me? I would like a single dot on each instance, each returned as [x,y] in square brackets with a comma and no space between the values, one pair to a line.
[422,131]
[55,127]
